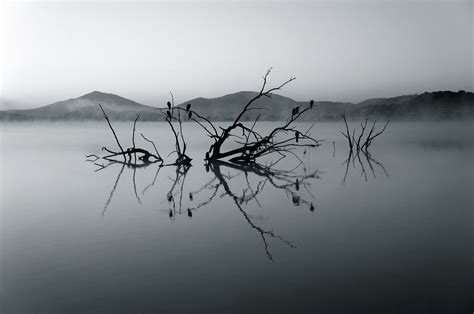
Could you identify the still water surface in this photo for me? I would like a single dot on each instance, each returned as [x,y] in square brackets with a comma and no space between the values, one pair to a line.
[395,239]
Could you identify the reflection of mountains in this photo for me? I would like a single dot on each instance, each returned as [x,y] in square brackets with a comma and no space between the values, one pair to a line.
[254,179]
[432,105]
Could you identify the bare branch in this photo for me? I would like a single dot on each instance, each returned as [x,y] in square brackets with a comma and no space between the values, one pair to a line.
[153,143]
[113,131]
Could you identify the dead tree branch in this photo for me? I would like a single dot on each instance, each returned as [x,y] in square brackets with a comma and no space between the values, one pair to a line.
[173,114]
[144,158]
[113,131]
[281,140]
[358,144]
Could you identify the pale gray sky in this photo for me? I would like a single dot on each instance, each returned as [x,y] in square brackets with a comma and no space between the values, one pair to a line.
[343,50]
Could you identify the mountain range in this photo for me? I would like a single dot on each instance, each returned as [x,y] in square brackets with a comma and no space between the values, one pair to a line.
[428,105]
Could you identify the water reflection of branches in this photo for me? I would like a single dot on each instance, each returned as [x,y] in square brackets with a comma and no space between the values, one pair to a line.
[144,156]
[369,161]
[107,203]
[286,180]
[238,203]
[254,179]
[178,184]
[129,164]
[358,145]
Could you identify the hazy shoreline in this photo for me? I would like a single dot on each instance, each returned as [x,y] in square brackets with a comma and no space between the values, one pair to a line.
[435,106]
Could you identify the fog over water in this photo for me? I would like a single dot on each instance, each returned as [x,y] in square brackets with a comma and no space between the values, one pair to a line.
[76,240]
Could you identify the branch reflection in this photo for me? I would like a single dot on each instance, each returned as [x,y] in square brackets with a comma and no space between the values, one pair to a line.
[240,183]
[362,159]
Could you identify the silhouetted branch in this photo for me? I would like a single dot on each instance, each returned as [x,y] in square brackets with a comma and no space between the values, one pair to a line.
[107,203]
[135,185]
[180,146]
[347,135]
[133,136]
[287,180]
[253,145]
[181,172]
[145,156]
[153,143]
[152,183]
[371,137]
[113,131]
[263,232]
[92,156]
[361,146]
[368,158]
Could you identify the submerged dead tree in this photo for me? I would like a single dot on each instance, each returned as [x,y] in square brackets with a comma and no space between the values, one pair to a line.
[173,114]
[254,145]
[359,145]
[132,156]
[251,144]
[356,141]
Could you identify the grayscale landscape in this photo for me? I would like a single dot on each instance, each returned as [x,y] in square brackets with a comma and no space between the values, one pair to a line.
[244,157]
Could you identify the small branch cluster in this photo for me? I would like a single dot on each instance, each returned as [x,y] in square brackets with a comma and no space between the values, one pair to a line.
[133,156]
[358,144]
[173,114]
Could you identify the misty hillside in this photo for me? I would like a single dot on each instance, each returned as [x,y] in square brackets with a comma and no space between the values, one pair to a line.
[86,108]
[229,106]
[433,105]
[278,107]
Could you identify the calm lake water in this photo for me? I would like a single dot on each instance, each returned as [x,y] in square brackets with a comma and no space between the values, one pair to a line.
[397,239]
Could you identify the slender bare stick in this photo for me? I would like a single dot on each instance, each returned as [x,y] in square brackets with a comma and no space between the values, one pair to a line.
[153,143]
[107,203]
[113,131]
[133,136]
[347,134]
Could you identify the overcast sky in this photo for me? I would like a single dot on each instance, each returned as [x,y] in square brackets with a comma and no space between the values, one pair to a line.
[342,51]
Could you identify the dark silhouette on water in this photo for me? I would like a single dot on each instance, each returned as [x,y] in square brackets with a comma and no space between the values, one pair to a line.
[176,189]
[131,165]
[107,203]
[369,160]
[357,143]
[173,115]
[252,145]
[144,158]
[288,181]
[267,174]
[359,146]
[281,141]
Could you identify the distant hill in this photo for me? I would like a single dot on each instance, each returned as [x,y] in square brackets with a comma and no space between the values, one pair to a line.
[432,105]
[86,108]
[327,110]
[229,106]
